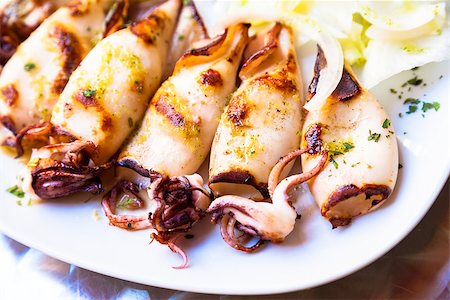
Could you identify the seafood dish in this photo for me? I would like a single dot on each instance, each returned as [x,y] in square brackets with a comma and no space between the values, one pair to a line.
[125,103]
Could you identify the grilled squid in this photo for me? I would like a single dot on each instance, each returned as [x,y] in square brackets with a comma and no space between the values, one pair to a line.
[262,120]
[260,125]
[18,18]
[35,76]
[104,99]
[363,158]
[175,138]
[267,221]
[190,30]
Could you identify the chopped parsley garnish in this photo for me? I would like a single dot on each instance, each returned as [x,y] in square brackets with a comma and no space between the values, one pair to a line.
[348,146]
[373,136]
[415,68]
[89,93]
[393,91]
[16,191]
[426,106]
[126,202]
[355,164]
[412,101]
[415,81]
[186,2]
[335,164]
[386,123]
[412,108]
[29,66]
[181,37]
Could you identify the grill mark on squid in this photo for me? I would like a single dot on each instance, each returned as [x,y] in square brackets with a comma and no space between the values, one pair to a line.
[168,111]
[70,48]
[211,77]
[10,94]
[313,139]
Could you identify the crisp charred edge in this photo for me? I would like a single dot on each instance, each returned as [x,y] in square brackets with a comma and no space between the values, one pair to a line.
[313,138]
[197,17]
[116,17]
[240,177]
[254,60]
[71,51]
[215,48]
[349,191]
[208,49]
[347,88]
[144,29]
[132,164]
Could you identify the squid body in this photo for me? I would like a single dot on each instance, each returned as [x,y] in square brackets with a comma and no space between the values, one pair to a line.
[262,120]
[37,73]
[175,137]
[104,100]
[363,156]
[260,125]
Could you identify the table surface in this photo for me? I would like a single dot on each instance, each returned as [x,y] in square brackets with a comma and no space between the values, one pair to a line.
[417,268]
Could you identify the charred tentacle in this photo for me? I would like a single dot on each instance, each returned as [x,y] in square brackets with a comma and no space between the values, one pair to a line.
[111,200]
[63,169]
[263,220]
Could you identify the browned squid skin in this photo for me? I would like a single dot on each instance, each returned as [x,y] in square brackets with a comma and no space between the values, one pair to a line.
[63,169]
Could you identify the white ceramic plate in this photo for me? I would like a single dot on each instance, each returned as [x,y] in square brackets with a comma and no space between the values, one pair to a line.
[312,255]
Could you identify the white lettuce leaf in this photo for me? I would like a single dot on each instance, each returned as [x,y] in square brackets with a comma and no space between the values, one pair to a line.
[385,59]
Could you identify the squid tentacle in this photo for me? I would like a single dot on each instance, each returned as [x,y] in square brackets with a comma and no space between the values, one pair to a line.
[128,222]
[62,169]
[263,220]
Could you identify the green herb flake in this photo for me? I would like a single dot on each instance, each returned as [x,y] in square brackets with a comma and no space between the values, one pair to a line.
[412,109]
[386,123]
[393,91]
[335,164]
[348,146]
[29,66]
[373,136]
[89,93]
[415,81]
[355,164]
[130,122]
[16,191]
[400,115]
[427,105]
[411,100]
[181,37]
